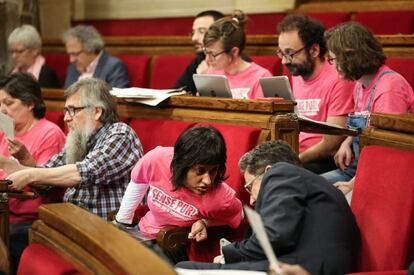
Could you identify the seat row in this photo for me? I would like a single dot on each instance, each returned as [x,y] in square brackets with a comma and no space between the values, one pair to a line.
[162,71]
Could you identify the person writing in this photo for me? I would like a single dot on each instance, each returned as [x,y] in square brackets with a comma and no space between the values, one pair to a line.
[224,44]
[357,55]
[186,187]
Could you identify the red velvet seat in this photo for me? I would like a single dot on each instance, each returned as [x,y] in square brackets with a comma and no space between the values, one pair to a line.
[38,259]
[138,69]
[383,204]
[263,23]
[154,132]
[404,66]
[330,19]
[166,69]
[59,62]
[387,22]
[56,117]
[270,62]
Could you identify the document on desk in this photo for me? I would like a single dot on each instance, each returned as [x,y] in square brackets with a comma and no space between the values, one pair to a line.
[183,271]
[151,97]
[257,225]
[7,125]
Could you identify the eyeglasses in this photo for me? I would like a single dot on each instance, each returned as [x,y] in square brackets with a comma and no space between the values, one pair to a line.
[331,60]
[72,111]
[213,55]
[16,51]
[248,185]
[74,54]
[288,56]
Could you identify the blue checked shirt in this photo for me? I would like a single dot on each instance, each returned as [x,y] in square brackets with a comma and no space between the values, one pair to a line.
[105,171]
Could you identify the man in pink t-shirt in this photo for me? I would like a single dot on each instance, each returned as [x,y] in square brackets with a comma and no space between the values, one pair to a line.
[320,93]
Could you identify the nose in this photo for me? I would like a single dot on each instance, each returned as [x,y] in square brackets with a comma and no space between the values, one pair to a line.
[3,109]
[285,60]
[252,201]
[72,58]
[66,117]
[207,179]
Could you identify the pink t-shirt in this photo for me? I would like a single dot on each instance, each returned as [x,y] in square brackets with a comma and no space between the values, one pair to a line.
[43,141]
[393,94]
[245,84]
[321,97]
[181,207]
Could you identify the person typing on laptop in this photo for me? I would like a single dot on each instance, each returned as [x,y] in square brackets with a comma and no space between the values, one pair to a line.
[319,91]
[224,43]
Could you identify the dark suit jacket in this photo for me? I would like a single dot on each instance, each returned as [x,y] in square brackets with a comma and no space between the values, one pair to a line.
[109,68]
[308,222]
[48,78]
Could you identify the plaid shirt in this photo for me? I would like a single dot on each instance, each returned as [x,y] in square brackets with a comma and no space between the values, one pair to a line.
[105,171]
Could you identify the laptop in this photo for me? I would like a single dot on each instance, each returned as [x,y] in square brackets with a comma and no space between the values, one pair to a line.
[212,85]
[277,86]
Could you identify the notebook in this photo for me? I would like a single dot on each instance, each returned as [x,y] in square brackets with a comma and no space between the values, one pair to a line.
[212,85]
[277,86]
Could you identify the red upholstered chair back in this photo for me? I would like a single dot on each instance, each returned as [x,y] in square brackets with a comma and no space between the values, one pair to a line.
[38,259]
[264,23]
[154,132]
[138,68]
[166,69]
[387,22]
[59,62]
[383,204]
[330,19]
[404,66]
[270,62]
[57,118]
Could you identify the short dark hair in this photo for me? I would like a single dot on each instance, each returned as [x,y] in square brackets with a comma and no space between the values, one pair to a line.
[198,145]
[268,153]
[25,87]
[229,30]
[357,51]
[310,31]
[212,13]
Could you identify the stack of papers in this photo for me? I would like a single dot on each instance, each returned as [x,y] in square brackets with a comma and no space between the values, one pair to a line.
[150,97]
[7,125]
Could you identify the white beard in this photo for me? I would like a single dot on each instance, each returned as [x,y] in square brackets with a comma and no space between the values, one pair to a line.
[76,142]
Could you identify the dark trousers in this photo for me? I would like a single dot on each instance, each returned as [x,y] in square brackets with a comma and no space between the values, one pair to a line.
[19,240]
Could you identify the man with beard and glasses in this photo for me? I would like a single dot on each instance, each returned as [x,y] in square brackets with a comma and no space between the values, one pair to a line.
[319,91]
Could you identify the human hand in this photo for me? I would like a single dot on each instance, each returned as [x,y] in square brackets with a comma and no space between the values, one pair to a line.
[198,231]
[20,180]
[18,150]
[345,186]
[343,156]
[288,269]
[202,67]
[218,259]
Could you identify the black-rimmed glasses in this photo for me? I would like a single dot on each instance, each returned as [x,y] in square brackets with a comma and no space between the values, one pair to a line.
[289,55]
[213,55]
[331,60]
[71,110]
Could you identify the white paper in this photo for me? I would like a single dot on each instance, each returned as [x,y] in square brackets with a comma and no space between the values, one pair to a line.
[256,223]
[7,125]
[151,97]
[182,271]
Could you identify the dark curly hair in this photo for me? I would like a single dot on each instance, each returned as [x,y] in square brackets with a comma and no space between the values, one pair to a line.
[25,87]
[310,31]
[198,145]
[356,49]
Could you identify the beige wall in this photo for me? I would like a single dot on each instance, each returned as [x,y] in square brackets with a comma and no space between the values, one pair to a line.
[122,9]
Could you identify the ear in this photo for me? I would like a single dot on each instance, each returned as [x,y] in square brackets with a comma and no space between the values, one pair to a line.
[97,113]
[314,51]
[235,51]
[31,106]
[267,168]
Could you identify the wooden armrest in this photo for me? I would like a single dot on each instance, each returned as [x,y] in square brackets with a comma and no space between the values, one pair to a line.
[22,195]
[173,238]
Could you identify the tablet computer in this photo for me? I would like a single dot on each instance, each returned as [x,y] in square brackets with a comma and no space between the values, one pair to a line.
[212,85]
[276,86]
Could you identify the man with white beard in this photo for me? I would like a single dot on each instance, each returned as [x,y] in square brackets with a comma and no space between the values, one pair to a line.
[98,156]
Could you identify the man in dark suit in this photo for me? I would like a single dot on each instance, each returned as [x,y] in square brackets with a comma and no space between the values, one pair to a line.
[307,220]
[85,48]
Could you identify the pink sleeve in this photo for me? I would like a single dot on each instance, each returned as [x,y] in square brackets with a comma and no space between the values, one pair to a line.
[341,99]
[50,146]
[144,168]
[391,102]
[229,211]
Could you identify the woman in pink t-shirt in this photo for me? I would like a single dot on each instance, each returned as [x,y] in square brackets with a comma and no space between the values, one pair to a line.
[224,44]
[186,187]
[357,55]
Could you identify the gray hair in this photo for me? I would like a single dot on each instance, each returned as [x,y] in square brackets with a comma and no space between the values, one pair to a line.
[271,152]
[90,38]
[26,35]
[95,92]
